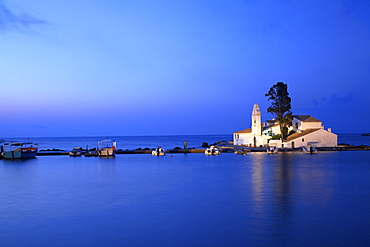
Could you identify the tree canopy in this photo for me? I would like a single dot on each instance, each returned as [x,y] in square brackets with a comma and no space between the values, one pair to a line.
[280,106]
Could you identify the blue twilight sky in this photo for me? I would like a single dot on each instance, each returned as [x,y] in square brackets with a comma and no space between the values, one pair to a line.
[145,67]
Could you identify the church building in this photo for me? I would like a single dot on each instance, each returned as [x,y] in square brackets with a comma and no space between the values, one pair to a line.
[307,131]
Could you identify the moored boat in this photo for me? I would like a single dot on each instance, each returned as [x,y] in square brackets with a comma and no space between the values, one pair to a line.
[212,150]
[107,148]
[159,151]
[19,150]
[272,150]
[240,151]
[309,150]
[76,151]
[1,148]
[91,153]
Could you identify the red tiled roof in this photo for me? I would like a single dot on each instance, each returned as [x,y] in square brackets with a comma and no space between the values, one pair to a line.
[306,118]
[244,131]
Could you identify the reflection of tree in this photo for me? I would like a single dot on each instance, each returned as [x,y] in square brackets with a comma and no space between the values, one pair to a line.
[315,180]
[281,186]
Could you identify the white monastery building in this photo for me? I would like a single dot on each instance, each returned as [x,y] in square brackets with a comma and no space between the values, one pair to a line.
[308,131]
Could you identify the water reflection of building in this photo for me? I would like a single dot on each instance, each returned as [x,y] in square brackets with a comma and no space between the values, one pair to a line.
[271,193]
[288,177]
[271,181]
[259,204]
[315,181]
[257,178]
[282,185]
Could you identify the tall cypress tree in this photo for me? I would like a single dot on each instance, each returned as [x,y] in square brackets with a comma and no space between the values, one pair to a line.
[281,106]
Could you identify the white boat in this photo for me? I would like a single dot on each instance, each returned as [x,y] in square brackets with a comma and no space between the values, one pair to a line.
[272,150]
[19,150]
[159,152]
[240,151]
[76,151]
[107,148]
[212,150]
[309,150]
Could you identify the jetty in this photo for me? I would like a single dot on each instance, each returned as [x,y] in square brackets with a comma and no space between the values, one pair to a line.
[120,151]
[223,148]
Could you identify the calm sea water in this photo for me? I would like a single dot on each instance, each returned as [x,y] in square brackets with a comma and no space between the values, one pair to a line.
[292,199]
[127,142]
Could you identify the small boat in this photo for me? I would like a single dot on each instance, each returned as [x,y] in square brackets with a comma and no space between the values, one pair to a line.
[107,148]
[212,150]
[309,150]
[19,150]
[159,152]
[240,151]
[76,151]
[272,150]
[1,148]
[91,153]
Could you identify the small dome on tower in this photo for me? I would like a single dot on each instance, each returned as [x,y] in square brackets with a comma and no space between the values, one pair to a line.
[256,110]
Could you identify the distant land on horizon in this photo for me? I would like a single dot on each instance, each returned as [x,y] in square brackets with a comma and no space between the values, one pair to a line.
[155,135]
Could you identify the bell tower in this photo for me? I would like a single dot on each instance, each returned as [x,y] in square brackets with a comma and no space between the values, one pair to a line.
[256,121]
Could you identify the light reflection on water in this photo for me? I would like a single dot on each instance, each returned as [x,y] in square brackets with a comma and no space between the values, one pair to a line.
[292,199]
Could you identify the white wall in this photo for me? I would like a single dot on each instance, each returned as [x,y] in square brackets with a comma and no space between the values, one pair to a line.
[248,140]
[310,125]
[321,138]
[241,140]
[294,124]
[305,125]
